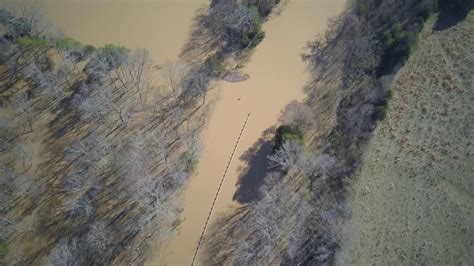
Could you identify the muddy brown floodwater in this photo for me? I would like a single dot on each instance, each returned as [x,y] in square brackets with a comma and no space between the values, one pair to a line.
[160,26]
[277,76]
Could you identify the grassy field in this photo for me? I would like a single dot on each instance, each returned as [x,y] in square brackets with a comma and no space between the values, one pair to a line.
[413,200]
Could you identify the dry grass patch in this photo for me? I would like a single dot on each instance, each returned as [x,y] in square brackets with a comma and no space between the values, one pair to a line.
[413,201]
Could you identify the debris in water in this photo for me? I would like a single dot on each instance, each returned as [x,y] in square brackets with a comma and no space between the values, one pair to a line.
[235,77]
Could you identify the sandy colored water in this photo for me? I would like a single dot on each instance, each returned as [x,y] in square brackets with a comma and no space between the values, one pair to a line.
[160,26]
[277,76]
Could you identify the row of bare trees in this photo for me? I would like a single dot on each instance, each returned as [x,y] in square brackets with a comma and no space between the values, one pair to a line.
[356,58]
[300,217]
[112,148]
[277,228]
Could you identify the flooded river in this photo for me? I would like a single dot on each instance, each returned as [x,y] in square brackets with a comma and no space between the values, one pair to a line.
[277,76]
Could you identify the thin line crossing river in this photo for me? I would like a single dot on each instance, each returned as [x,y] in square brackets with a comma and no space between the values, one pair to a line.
[219,189]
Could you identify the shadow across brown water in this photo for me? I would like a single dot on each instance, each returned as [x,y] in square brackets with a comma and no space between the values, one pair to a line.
[277,76]
[254,169]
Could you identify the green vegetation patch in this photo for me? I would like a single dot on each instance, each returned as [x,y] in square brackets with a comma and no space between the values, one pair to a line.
[264,7]
[68,44]
[287,133]
[400,41]
[254,35]
[362,8]
[214,65]
[3,248]
[381,109]
[112,49]
[75,49]
[252,39]
[113,54]
[32,43]
[189,159]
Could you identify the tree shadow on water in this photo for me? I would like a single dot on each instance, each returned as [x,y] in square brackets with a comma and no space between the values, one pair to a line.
[254,169]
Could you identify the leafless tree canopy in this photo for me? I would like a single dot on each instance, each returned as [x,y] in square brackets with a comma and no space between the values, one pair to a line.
[300,219]
[297,114]
[93,150]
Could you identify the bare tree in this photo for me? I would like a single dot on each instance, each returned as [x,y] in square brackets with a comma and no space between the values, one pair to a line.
[190,143]
[267,221]
[209,31]
[300,233]
[35,22]
[63,253]
[73,52]
[102,103]
[24,154]
[23,107]
[264,7]
[176,171]
[298,115]
[99,239]
[45,80]
[6,178]
[195,85]
[7,135]
[287,156]
[97,105]
[152,145]
[325,163]
[28,22]
[79,206]
[242,20]
[178,117]
[66,70]
[78,181]
[311,165]
[174,75]
[157,155]
[97,69]
[138,68]
[245,251]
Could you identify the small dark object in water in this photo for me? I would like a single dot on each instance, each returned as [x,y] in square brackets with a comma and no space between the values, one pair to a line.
[238,99]
[235,77]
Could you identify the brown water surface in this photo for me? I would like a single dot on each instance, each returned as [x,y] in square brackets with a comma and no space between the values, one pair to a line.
[160,26]
[277,76]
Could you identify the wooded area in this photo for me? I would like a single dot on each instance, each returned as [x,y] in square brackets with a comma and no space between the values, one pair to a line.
[300,217]
[95,151]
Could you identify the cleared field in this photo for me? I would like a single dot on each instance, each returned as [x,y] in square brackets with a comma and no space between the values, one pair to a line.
[413,200]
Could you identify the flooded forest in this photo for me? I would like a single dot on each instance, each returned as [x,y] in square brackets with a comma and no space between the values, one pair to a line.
[236,132]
